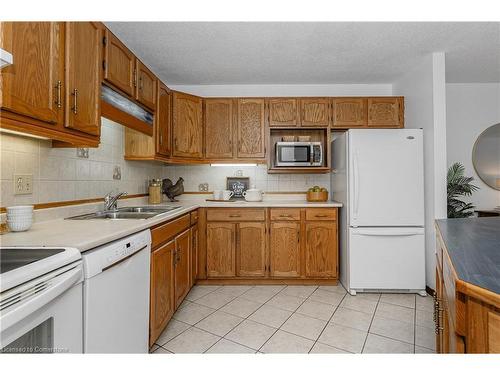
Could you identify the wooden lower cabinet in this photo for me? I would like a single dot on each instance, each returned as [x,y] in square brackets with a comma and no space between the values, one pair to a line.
[251,250]
[182,266]
[194,253]
[221,257]
[285,249]
[320,249]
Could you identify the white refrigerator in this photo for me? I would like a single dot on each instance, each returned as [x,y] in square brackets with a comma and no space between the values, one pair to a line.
[379,178]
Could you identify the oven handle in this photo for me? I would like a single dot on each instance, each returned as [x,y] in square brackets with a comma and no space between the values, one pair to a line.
[22,310]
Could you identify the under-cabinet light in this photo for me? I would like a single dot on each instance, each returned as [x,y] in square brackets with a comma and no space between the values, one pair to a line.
[8,131]
[233,165]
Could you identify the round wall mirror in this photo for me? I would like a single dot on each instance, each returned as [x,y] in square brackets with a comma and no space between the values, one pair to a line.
[486,156]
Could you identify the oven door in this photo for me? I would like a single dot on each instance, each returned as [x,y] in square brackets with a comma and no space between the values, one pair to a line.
[48,321]
[293,154]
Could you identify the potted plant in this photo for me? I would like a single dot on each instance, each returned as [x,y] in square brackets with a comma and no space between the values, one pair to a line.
[459,186]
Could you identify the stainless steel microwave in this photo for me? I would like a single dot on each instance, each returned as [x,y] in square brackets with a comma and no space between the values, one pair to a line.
[299,154]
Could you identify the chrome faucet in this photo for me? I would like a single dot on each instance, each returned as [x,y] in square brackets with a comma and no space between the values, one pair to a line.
[110,200]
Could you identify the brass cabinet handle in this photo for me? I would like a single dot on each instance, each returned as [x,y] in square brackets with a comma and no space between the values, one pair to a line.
[161,138]
[285,215]
[75,101]
[58,97]
[235,215]
[140,83]
[321,215]
[134,78]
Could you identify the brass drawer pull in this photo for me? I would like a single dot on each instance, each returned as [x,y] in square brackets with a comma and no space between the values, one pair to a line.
[235,215]
[284,215]
[321,215]
[75,101]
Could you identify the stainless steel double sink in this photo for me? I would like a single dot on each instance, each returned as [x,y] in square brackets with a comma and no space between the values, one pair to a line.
[140,212]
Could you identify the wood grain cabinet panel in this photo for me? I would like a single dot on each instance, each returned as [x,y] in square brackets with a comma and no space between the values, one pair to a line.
[182,266]
[251,250]
[283,112]
[119,64]
[187,126]
[321,249]
[83,76]
[146,86]
[33,85]
[386,112]
[285,249]
[221,261]
[194,254]
[219,121]
[349,112]
[163,120]
[251,126]
[315,112]
[162,289]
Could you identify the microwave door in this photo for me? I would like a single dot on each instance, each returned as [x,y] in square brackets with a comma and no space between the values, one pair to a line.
[294,155]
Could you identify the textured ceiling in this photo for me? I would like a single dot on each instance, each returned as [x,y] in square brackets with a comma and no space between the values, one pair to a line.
[309,53]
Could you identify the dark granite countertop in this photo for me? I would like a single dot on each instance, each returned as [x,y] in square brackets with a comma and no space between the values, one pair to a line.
[474,248]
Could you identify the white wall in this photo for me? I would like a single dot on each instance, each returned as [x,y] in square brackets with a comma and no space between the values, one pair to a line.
[286,90]
[425,107]
[471,108]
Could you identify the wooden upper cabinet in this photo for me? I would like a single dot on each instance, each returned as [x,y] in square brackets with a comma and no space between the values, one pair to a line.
[163,120]
[285,249]
[321,249]
[386,112]
[251,128]
[315,112]
[283,112]
[221,260]
[349,112]
[187,126]
[251,250]
[162,290]
[34,85]
[219,123]
[146,86]
[83,76]
[182,266]
[119,64]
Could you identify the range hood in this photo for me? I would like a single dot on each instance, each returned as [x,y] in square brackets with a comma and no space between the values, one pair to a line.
[5,58]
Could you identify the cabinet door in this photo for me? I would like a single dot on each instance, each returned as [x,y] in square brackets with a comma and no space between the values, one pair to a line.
[219,116]
[221,250]
[251,136]
[321,249]
[119,64]
[163,120]
[187,126]
[315,112]
[251,250]
[194,254]
[162,290]
[283,112]
[349,112]
[385,112]
[83,76]
[182,266]
[146,86]
[33,85]
[285,249]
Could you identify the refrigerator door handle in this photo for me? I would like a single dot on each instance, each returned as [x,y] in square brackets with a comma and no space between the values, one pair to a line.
[356,184]
[389,232]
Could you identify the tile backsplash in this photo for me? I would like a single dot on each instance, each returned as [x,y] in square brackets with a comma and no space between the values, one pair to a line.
[59,175]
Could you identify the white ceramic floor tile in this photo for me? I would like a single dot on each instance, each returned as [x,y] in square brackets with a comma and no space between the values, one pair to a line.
[193,340]
[251,334]
[215,300]
[173,329]
[234,290]
[405,300]
[320,348]
[161,350]
[241,307]
[259,295]
[362,304]
[271,316]
[339,289]
[325,296]
[228,347]
[286,302]
[425,319]
[344,338]
[193,313]
[316,310]
[199,291]
[389,311]
[304,326]
[421,350]
[270,288]
[379,344]
[219,323]
[352,318]
[284,342]
[153,348]
[425,337]
[369,296]
[424,303]
[393,329]
[302,291]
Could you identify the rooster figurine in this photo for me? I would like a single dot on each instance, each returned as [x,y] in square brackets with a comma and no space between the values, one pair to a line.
[171,190]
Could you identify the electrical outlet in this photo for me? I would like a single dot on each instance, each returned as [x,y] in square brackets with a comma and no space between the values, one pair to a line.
[82,152]
[203,187]
[117,173]
[23,184]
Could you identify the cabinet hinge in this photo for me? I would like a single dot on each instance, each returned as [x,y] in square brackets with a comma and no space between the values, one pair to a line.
[104,40]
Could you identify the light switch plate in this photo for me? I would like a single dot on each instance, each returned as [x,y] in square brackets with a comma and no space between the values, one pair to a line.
[23,184]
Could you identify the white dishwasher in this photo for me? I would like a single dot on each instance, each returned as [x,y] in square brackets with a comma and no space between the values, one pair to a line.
[116,296]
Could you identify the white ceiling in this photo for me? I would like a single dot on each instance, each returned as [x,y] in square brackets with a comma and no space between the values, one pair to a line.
[191,53]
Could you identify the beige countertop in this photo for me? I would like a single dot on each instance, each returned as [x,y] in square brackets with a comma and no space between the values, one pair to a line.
[88,234]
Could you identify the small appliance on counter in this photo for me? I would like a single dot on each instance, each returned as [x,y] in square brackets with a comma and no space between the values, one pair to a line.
[154,191]
[253,195]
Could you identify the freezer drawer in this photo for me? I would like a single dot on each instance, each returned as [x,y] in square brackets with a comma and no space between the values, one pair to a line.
[387,258]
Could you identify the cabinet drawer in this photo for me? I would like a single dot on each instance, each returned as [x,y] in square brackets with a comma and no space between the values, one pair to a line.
[168,230]
[321,214]
[236,214]
[285,214]
[194,217]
